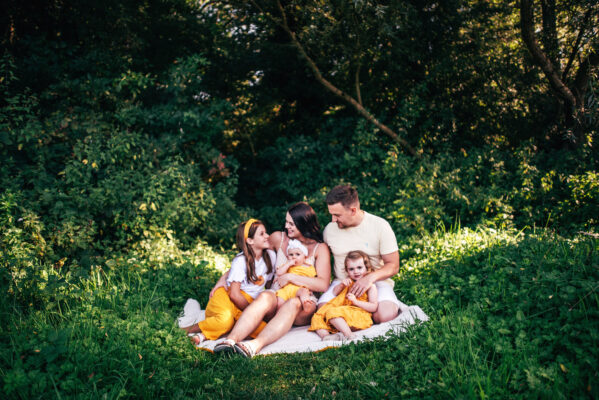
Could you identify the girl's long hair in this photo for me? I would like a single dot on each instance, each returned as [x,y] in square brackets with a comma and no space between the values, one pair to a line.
[248,252]
[306,221]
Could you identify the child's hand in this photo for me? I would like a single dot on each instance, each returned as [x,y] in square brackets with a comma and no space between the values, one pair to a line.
[283,268]
[351,297]
[347,282]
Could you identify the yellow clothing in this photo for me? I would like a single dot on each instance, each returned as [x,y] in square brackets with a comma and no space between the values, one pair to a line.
[290,290]
[221,314]
[356,318]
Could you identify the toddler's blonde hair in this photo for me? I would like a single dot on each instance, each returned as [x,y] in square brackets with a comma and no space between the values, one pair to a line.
[356,255]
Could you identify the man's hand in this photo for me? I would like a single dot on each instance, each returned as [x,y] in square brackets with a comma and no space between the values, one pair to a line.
[362,285]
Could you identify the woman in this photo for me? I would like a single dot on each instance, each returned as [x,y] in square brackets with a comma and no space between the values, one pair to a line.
[301,224]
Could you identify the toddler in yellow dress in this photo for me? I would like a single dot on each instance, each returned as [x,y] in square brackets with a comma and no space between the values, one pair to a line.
[296,254]
[346,313]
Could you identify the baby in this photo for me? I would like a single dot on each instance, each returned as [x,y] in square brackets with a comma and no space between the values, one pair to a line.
[296,264]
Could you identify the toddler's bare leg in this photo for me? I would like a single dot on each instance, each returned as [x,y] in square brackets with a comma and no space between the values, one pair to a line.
[343,327]
[322,332]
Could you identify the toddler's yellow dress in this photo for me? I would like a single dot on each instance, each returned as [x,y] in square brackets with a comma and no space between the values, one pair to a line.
[356,318]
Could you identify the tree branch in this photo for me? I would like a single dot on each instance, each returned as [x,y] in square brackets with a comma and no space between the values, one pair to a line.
[585,21]
[332,88]
[555,81]
[358,94]
[581,81]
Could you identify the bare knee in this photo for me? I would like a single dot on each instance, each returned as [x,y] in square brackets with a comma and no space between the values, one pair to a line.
[385,312]
[266,301]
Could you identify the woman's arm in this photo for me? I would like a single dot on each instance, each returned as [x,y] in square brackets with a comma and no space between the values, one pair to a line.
[322,280]
[371,305]
[236,296]
[275,240]
[222,282]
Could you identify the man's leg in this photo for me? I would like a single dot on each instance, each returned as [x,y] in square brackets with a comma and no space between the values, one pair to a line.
[389,305]
[386,311]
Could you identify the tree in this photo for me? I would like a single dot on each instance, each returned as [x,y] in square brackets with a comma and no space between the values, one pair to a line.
[570,67]
[357,36]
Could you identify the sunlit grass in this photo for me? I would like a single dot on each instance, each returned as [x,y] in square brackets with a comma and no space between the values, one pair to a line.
[514,314]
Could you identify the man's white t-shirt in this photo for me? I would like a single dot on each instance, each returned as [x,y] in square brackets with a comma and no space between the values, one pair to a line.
[237,273]
[373,236]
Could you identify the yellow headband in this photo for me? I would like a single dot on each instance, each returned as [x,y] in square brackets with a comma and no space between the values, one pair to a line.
[248,225]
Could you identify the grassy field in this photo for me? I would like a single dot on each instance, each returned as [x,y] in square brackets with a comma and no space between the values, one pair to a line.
[513,314]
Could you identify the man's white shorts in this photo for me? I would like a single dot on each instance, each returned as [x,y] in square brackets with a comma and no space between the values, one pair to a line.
[385,291]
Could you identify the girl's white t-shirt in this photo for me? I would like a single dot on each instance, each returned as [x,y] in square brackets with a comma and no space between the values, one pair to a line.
[237,273]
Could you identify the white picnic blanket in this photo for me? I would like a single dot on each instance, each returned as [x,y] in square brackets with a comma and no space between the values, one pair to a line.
[299,340]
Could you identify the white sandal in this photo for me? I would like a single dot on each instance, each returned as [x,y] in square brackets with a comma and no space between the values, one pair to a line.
[245,349]
[197,338]
[227,346]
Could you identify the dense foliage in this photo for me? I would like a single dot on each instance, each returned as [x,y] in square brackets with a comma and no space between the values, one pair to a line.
[134,136]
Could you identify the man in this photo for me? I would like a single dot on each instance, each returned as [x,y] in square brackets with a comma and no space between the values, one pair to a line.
[354,229]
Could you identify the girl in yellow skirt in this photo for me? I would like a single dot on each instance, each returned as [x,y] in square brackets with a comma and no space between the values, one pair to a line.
[296,254]
[250,270]
[346,313]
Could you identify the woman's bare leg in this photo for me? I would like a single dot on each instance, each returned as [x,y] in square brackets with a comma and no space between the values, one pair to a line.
[254,313]
[278,326]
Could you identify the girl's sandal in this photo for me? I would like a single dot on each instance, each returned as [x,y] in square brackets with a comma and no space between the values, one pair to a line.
[245,349]
[197,338]
[227,346]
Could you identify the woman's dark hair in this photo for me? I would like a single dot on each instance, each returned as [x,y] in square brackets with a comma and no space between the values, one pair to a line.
[306,221]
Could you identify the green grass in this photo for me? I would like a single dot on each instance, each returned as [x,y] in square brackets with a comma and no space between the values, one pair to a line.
[512,315]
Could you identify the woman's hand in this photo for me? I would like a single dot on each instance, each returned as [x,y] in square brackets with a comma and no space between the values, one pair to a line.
[347,282]
[284,279]
[218,285]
